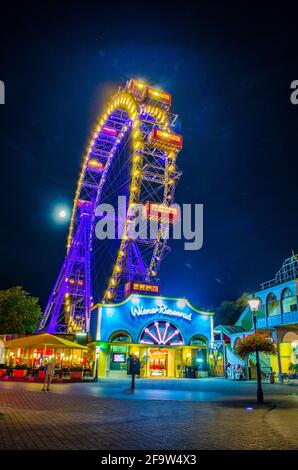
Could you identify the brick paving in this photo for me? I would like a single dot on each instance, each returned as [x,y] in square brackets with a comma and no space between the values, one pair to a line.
[63,419]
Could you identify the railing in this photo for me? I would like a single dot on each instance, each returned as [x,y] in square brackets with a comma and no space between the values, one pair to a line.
[287,272]
[276,320]
[290,317]
[233,358]
[262,323]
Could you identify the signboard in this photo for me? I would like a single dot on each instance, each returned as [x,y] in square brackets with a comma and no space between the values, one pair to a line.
[162,309]
[132,287]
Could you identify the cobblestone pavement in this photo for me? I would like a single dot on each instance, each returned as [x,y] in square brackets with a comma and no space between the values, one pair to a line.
[78,417]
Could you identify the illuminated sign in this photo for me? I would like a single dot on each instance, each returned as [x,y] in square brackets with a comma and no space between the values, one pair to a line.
[161,332]
[140,288]
[155,211]
[139,311]
[119,357]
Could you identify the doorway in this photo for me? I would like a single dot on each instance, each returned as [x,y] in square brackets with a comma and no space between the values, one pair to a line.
[158,363]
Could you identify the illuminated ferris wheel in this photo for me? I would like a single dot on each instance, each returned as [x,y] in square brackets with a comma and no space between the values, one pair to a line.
[132,153]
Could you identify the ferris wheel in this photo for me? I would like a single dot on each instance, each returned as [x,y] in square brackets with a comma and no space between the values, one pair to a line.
[132,153]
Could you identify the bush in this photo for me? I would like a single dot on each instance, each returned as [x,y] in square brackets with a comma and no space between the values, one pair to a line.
[3,366]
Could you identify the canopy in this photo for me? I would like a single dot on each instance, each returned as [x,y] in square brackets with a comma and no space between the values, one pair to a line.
[41,341]
[229,329]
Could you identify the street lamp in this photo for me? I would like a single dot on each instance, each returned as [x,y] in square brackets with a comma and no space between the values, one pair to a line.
[254,304]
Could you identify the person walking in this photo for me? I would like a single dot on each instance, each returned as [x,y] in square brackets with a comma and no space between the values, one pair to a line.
[49,372]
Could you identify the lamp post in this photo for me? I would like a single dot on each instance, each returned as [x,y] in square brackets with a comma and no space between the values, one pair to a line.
[254,304]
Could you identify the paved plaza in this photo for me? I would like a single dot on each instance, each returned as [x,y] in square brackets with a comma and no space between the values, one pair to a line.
[159,414]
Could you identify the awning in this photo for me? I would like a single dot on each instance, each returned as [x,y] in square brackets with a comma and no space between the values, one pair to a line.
[228,329]
[41,341]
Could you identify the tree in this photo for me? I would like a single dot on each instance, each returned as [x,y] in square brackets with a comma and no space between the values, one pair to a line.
[19,311]
[229,311]
[255,342]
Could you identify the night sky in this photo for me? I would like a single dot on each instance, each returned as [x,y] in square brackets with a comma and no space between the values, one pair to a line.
[229,73]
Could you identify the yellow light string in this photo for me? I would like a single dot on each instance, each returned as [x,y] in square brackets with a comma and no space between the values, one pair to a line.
[128,102]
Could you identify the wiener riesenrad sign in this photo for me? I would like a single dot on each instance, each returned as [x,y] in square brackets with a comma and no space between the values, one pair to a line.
[139,311]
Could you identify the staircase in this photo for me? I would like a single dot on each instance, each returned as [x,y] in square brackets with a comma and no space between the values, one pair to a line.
[233,358]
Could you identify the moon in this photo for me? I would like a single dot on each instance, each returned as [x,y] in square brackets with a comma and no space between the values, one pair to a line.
[61,214]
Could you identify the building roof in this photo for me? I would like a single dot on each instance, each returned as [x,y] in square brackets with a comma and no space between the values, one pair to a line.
[41,341]
[229,330]
[203,311]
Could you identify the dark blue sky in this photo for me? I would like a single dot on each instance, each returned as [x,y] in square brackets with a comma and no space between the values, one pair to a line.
[229,73]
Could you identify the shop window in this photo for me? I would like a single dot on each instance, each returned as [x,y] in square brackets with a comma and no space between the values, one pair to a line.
[272,305]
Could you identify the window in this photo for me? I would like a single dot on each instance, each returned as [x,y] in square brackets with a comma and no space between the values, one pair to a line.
[198,340]
[288,301]
[120,337]
[272,305]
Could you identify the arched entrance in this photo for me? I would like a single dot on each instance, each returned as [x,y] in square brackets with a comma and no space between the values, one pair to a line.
[161,340]
[120,341]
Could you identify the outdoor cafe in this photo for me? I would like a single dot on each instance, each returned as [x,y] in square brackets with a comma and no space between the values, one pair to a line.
[26,358]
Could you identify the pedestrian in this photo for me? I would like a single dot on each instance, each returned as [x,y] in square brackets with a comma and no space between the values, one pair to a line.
[49,372]
[240,372]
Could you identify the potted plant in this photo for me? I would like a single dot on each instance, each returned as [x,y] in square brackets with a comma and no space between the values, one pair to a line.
[3,369]
[76,373]
[20,371]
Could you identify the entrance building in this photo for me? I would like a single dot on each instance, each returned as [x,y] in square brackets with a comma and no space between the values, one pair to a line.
[170,337]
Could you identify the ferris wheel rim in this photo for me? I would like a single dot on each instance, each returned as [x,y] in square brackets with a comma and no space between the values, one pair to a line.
[124,101]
